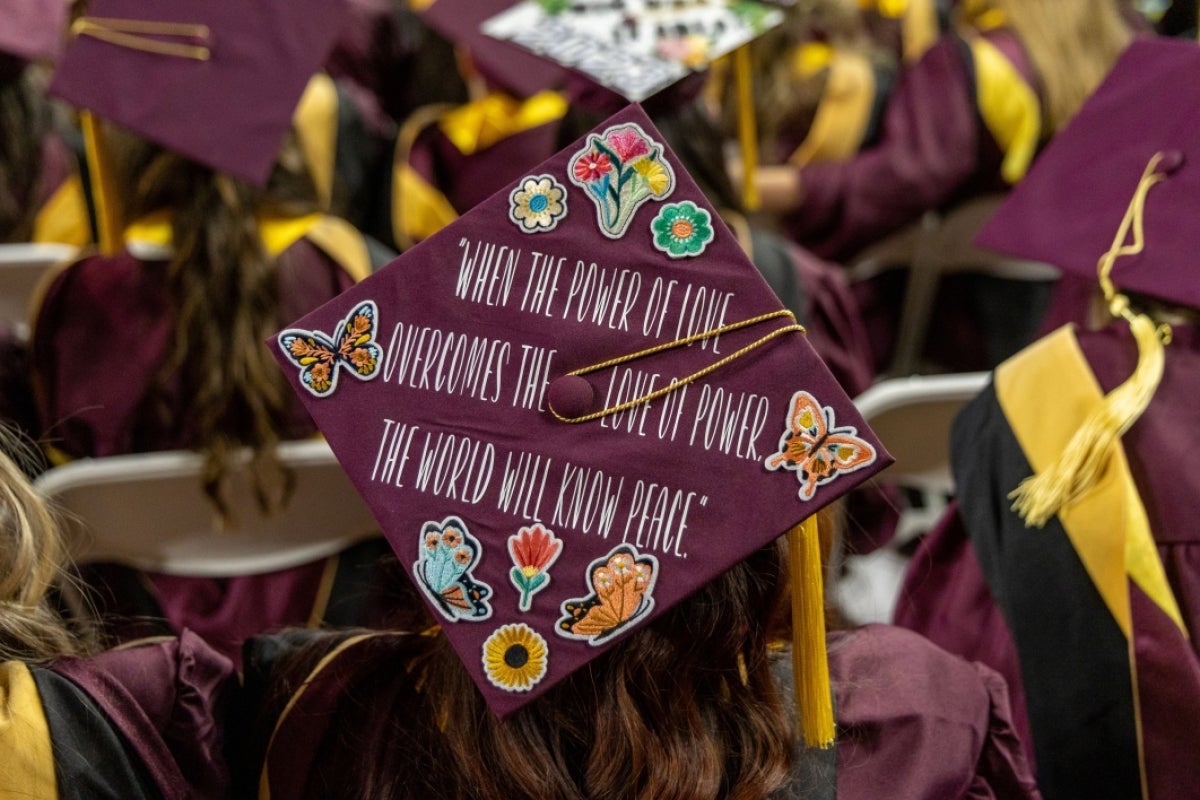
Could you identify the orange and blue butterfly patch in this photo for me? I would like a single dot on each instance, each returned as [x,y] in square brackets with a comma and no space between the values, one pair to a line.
[445,557]
[622,592]
[352,348]
[815,448]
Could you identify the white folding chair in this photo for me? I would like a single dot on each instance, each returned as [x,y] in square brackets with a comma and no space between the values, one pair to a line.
[149,511]
[912,416]
[22,267]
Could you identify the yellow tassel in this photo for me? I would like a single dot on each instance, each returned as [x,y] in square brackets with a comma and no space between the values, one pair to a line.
[747,126]
[109,225]
[1041,496]
[810,662]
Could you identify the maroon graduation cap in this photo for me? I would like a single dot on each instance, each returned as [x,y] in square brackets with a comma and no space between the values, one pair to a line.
[1066,211]
[505,64]
[216,81]
[32,29]
[573,407]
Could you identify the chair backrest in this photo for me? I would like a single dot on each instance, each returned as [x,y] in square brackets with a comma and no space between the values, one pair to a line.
[22,267]
[939,244]
[912,417]
[149,511]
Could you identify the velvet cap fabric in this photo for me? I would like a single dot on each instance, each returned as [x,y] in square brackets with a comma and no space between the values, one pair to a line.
[443,380]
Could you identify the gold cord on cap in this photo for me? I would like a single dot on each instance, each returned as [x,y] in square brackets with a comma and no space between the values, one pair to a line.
[1039,497]
[138,34]
[695,337]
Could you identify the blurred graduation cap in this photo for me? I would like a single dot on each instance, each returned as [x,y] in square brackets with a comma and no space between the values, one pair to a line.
[509,66]
[634,47]
[32,29]
[1067,209]
[575,406]
[216,81]
[1113,198]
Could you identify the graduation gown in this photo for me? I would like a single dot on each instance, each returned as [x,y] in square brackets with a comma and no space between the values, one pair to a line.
[1092,618]
[144,722]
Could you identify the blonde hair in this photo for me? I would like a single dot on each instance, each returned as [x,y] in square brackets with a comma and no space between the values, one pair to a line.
[1072,44]
[32,556]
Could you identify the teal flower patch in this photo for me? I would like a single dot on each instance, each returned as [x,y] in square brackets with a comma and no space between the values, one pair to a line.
[682,230]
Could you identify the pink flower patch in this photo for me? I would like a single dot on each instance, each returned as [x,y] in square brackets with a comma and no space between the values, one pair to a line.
[627,144]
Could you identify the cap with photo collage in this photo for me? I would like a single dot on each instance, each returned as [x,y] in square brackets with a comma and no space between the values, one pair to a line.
[575,406]
[637,49]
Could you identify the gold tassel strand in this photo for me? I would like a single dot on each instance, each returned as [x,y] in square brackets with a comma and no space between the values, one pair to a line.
[810,661]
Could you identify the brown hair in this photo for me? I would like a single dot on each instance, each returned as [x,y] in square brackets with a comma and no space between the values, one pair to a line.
[24,121]
[1072,44]
[686,708]
[32,555]
[219,382]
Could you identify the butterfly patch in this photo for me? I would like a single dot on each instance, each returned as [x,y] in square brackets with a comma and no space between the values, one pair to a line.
[815,448]
[622,585]
[321,358]
[446,555]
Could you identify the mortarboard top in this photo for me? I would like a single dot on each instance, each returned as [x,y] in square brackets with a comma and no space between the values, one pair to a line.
[634,47]
[507,65]
[216,81]
[440,380]
[1067,209]
[32,29]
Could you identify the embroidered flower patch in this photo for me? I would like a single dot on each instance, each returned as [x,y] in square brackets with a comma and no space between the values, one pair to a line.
[538,204]
[621,169]
[320,358]
[682,230]
[533,550]
[515,657]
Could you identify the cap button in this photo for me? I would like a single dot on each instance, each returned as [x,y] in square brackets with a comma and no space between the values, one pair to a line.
[570,396]
[1171,160]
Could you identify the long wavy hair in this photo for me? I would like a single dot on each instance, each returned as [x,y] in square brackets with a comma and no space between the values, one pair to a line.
[687,708]
[1072,44]
[218,388]
[25,119]
[32,558]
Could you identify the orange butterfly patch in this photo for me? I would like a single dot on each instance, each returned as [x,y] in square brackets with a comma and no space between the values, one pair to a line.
[320,358]
[622,584]
[815,448]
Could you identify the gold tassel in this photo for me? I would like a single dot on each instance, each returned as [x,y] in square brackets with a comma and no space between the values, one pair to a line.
[110,227]
[1039,497]
[810,662]
[747,126]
